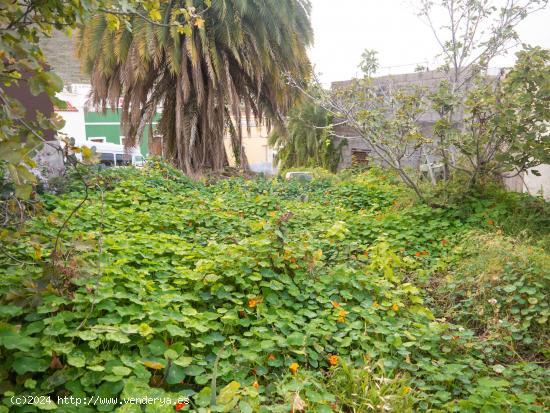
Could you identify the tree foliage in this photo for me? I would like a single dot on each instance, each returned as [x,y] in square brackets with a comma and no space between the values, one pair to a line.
[222,64]
[305,140]
[384,116]
[22,64]
[506,121]
[472,35]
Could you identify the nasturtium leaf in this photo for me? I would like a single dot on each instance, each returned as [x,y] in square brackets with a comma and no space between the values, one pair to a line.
[118,337]
[121,370]
[228,393]
[296,339]
[145,330]
[10,310]
[170,354]
[155,365]
[30,384]
[194,370]
[76,360]
[24,364]
[157,347]
[87,335]
[176,331]
[16,341]
[175,374]
[183,361]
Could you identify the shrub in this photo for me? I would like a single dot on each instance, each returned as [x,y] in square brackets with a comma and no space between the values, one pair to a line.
[502,291]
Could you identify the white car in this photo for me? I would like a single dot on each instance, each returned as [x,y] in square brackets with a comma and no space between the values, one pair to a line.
[111,154]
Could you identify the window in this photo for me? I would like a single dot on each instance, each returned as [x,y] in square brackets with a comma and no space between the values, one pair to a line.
[97,139]
[138,161]
[359,157]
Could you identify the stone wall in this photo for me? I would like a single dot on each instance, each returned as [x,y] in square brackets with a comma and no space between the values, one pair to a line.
[60,53]
[49,161]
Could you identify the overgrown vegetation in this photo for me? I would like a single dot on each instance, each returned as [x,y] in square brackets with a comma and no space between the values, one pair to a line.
[305,139]
[269,295]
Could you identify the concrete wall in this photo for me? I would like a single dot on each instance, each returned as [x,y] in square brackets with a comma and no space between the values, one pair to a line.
[538,185]
[49,162]
[60,53]
[259,154]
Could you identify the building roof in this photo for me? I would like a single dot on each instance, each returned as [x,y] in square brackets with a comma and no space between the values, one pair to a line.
[69,108]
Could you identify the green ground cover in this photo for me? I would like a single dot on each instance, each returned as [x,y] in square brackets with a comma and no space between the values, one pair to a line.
[260,295]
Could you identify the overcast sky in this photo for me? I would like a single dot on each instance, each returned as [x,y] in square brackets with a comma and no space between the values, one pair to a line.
[344,28]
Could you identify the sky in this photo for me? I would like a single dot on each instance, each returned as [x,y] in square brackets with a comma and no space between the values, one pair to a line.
[344,28]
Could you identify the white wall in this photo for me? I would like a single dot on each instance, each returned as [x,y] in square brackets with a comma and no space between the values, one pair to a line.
[74,121]
[538,185]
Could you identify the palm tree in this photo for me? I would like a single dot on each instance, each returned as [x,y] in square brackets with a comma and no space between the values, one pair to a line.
[305,141]
[209,76]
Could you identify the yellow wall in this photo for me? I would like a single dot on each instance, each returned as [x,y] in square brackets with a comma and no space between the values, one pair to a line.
[260,156]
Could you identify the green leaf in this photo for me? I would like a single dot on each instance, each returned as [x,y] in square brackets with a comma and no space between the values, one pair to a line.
[171,354]
[121,370]
[183,361]
[194,370]
[175,374]
[118,337]
[77,360]
[228,393]
[296,339]
[88,335]
[24,364]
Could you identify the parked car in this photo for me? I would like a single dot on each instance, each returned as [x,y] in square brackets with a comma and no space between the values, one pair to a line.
[113,155]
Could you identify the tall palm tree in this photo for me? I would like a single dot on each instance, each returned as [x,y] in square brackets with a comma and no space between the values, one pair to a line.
[204,77]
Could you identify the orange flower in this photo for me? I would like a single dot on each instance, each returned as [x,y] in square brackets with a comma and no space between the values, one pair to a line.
[342,316]
[335,304]
[256,385]
[366,253]
[294,367]
[395,307]
[333,360]
[252,303]
[418,253]
[271,357]
[491,222]
[443,242]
